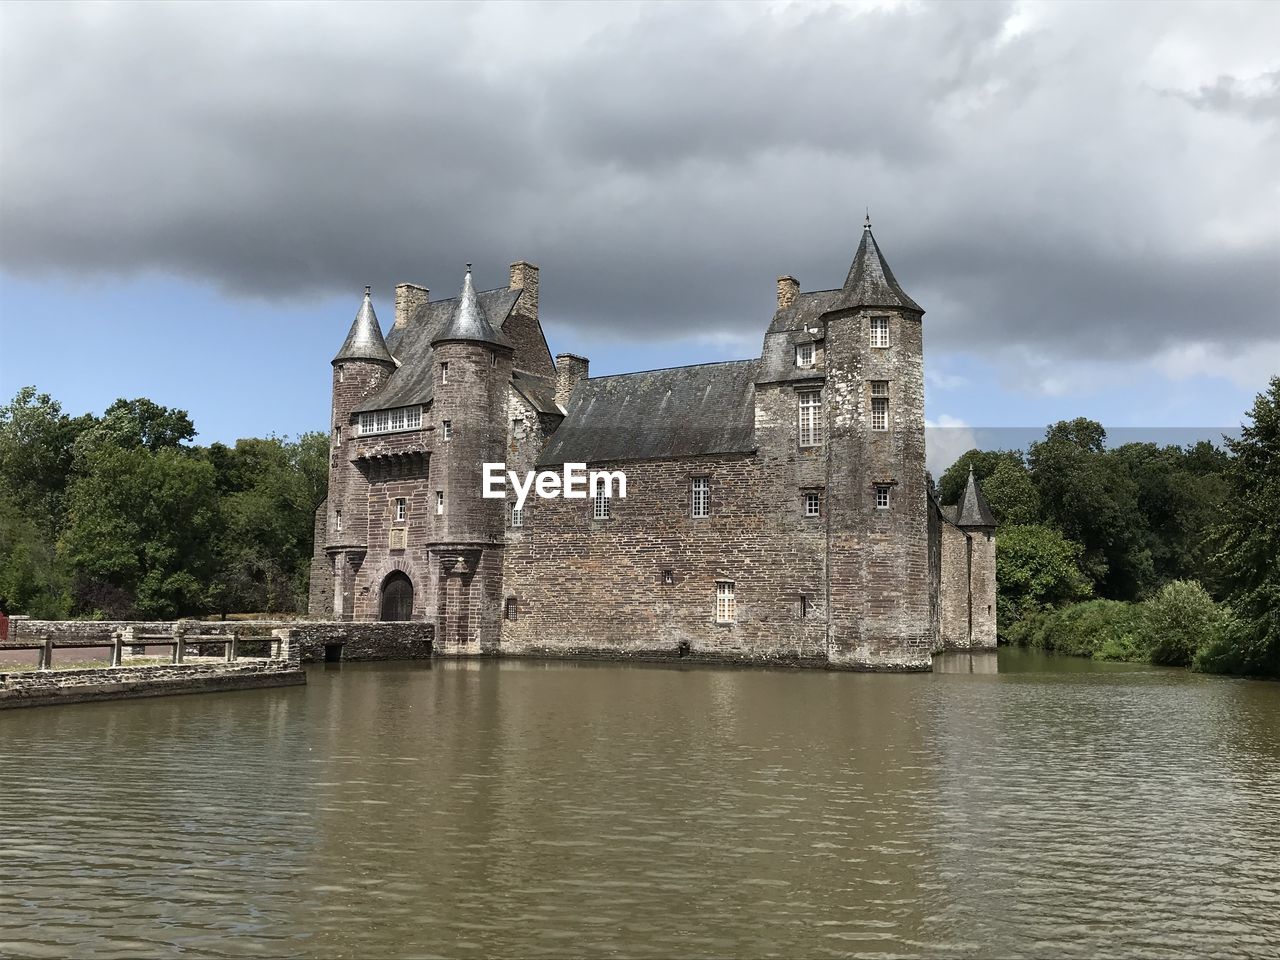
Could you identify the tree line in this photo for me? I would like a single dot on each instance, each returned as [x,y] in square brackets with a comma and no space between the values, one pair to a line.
[1165,554]
[122,516]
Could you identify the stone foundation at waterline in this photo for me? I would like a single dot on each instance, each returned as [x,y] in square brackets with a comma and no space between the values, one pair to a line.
[36,688]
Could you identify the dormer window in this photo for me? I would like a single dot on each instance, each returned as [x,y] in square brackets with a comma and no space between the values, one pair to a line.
[804,354]
[390,421]
[879,331]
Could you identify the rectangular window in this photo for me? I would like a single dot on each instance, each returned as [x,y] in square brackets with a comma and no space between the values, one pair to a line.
[447,428]
[402,509]
[810,417]
[882,496]
[879,404]
[510,611]
[385,421]
[812,503]
[802,607]
[517,516]
[337,520]
[726,604]
[879,331]
[439,502]
[668,577]
[444,372]
[700,497]
[399,538]
[600,504]
[804,354]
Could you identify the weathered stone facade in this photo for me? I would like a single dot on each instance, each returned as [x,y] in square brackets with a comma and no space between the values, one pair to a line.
[822,542]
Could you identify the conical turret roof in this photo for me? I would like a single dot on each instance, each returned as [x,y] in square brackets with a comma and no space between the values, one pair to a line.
[973,511]
[469,321]
[365,342]
[870,282]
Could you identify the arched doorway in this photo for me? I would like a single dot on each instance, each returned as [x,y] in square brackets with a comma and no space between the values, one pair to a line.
[397,597]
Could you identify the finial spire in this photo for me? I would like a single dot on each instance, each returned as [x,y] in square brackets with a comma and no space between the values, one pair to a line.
[866,224]
[468,268]
[368,290]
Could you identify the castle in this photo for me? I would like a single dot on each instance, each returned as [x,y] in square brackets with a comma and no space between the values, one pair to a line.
[777,509]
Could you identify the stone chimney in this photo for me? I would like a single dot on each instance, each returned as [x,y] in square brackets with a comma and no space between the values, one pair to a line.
[409,298]
[788,290]
[524,276]
[570,368]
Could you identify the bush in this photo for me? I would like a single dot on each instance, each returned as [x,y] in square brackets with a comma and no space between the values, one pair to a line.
[1104,629]
[1181,620]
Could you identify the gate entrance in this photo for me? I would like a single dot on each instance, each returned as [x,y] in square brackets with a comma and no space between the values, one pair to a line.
[397,597]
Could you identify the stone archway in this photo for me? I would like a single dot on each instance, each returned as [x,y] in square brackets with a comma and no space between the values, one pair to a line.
[395,601]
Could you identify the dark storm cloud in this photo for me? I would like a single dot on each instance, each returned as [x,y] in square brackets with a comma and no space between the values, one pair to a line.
[1032,179]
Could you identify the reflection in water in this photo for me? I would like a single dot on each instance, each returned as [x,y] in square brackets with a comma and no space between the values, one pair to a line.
[1056,808]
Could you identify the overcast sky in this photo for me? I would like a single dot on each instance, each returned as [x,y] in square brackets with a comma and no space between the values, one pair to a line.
[1084,197]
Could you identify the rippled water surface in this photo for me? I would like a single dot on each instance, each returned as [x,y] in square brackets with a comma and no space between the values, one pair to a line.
[1055,808]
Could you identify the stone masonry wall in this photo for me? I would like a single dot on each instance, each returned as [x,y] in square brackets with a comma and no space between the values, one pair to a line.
[597,587]
[40,688]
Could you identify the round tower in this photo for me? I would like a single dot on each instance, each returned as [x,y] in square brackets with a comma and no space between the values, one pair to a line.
[470,380]
[360,369]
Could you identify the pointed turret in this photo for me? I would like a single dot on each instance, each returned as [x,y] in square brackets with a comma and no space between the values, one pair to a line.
[365,342]
[870,282]
[469,322]
[972,511]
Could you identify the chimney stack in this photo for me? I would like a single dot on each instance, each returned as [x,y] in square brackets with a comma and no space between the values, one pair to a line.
[788,290]
[409,299]
[570,368]
[524,276]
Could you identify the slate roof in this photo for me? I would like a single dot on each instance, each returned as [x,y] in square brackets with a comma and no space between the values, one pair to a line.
[411,344]
[539,391]
[364,341]
[805,311]
[972,510]
[870,282]
[677,412]
[469,321]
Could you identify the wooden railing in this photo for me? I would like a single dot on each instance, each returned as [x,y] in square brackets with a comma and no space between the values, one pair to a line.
[178,641]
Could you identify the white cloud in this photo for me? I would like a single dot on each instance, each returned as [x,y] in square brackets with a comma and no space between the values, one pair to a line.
[945,439]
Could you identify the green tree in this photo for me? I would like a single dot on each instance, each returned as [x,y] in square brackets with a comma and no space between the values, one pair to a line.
[1012,496]
[31,578]
[138,531]
[1036,568]
[1093,500]
[1180,620]
[36,454]
[1249,544]
[984,463]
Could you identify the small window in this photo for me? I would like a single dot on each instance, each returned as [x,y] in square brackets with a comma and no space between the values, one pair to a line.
[812,503]
[493,359]
[802,606]
[342,373]
[879,331]
[402,509]
[439,502]
[810,423]
[413,418]
[879,404]
[337,520]
[444,372]
[804,354]
[882,496]
[510,609]
[600,503]
[446,428]
[517,516]
[726,604]
[700,497]
[399,539]
[668,577]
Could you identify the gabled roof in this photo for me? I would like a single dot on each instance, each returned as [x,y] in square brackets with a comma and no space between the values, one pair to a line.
[677,412]
[972,510]
[870,282]
[364,341]
[411,343]
[469,321]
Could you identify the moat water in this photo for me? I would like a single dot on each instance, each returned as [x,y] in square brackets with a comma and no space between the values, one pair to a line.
[1056,807]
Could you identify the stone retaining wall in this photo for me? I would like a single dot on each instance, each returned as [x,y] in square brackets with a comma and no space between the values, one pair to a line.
[41,688]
